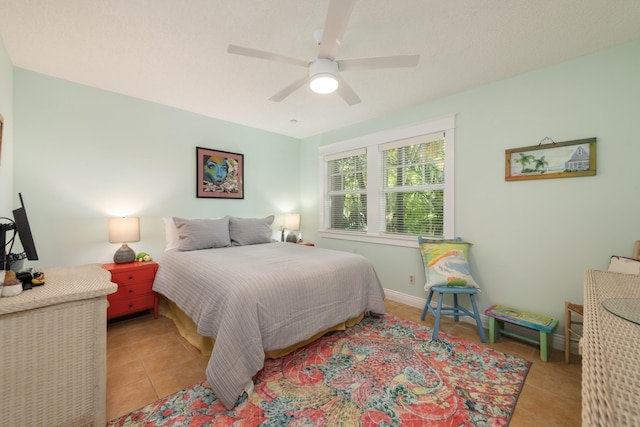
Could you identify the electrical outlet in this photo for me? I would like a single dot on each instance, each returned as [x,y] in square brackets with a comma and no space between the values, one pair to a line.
[412,279]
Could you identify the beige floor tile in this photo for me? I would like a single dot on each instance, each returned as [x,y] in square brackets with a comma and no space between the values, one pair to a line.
[125,374]
[122,400]
[122,355]
[176,376]
[153,344]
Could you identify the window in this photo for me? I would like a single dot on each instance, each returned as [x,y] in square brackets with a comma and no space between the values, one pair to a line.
[347,195]
[391,186]
[413,186]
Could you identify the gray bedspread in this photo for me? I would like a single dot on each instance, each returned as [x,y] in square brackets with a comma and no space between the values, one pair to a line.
[264,297]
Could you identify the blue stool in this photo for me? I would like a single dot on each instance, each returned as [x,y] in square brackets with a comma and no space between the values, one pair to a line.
[457,310]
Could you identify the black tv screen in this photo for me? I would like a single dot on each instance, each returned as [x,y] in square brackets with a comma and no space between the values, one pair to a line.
[24,231]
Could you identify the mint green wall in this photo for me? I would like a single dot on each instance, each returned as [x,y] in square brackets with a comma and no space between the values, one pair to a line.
[6,155]
[83,155]
[533,240]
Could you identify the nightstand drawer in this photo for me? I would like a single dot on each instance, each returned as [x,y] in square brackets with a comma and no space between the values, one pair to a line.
[131,291]
[133,276]
[118,307]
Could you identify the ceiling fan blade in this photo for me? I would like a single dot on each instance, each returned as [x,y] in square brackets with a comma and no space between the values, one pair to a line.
[334,27]
[289,89]
[345,91]
[255,53]
[398,61]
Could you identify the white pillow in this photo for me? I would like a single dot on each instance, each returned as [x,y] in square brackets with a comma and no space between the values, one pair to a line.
[170,234]
[621,264]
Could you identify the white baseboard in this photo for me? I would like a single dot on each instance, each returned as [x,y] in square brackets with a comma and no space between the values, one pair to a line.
[557,339]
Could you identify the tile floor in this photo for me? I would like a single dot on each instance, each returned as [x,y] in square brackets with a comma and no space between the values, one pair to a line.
[147,359]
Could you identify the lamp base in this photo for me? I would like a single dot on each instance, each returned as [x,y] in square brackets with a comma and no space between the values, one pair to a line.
[124,255]
[291,237]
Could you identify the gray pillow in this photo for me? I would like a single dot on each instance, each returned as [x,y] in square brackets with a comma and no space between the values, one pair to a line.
[249,231]
[196,234]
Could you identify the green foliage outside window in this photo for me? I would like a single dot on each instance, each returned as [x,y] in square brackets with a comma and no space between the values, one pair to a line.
[414,189]
[347,194]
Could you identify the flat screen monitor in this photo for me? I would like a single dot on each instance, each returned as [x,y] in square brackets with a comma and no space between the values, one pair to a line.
[22,228]
[24,231]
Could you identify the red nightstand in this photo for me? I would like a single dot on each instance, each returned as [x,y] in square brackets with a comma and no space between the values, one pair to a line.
[134,293]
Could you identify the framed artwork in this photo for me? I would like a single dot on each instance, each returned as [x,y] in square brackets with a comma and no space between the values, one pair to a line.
[219,174]
[554,160]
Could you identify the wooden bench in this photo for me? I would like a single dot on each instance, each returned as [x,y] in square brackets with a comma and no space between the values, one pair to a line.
[498,314]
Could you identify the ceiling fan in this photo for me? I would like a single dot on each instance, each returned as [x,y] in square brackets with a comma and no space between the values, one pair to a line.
[324,72]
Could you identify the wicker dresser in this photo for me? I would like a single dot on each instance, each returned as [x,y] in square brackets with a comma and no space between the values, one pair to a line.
[53,350]
[610,353]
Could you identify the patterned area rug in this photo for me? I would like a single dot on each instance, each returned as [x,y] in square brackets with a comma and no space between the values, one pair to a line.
[382,372]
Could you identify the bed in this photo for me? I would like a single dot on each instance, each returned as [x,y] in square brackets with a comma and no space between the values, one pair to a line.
[253,298]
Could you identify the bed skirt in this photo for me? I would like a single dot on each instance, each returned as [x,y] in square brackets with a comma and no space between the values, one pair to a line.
[189,330]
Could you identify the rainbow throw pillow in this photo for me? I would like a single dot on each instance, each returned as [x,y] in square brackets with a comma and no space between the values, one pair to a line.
[446,262]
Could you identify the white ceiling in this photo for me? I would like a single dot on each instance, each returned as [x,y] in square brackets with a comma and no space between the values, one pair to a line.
[174,52]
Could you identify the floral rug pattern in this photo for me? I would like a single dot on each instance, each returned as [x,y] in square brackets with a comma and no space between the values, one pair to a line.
[381,372]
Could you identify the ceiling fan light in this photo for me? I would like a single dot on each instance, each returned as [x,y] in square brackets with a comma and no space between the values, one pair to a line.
[323,83]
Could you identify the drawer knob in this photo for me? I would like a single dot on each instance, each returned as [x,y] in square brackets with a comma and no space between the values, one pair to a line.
[130,305]
[130,277]
[130,291]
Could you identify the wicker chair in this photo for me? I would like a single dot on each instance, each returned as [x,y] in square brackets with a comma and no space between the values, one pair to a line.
[573,314]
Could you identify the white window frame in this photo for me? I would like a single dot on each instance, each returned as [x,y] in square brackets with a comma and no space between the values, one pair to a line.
[375,225]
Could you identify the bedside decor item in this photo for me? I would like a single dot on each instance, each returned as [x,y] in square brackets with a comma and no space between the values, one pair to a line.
[16,261]
[11,285]
[220,174]
[292,223]
[554,160]
[37,278]
[123,230]
[143,257]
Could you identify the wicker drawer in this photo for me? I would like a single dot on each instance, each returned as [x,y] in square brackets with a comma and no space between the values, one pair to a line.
[119,307]
[134,276]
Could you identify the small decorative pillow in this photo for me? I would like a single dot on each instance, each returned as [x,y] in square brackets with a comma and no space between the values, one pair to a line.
[194,234]
[250,231]
[621,264]
[172,240]
[446,262]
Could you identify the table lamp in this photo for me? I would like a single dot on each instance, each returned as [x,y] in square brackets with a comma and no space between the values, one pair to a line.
[292,223]
[123,230]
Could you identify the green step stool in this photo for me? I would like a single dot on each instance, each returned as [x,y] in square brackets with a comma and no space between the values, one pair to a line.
[498,314]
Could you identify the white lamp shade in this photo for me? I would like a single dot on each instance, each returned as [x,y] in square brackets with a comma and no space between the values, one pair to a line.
[123,230]
[292,221]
